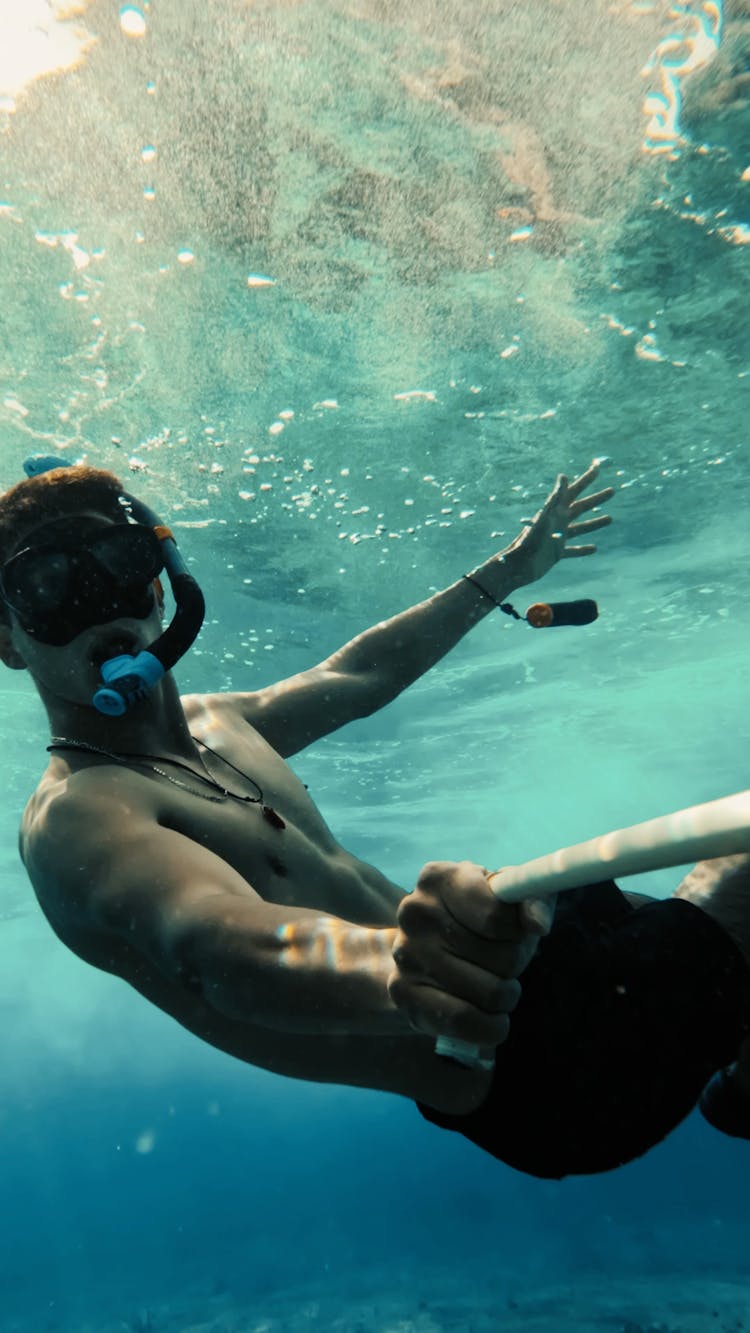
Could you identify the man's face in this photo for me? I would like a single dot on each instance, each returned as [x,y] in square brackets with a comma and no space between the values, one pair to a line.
[89,581]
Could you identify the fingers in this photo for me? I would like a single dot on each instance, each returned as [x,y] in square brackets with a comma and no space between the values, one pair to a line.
[458,951]
[464,981]
[431,942]
[538,914]
[590,525]
[462,888]
[465,1001]
[563,496]
[580,483]
[582,506]
[575,488]
[438,1014]
[579,529]
[591,501]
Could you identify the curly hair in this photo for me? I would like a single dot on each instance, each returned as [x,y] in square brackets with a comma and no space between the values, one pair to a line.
[56,494]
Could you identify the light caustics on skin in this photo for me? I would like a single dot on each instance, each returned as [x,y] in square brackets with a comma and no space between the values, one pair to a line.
[336,945]
[678,55]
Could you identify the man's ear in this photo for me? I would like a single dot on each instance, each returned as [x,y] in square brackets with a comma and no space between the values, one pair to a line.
[8,653]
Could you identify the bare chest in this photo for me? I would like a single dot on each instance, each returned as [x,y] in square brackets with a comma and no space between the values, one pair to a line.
[263,821]
[290,859]
[243,803]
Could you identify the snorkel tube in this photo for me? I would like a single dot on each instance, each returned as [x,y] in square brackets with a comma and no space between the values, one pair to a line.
[128,679]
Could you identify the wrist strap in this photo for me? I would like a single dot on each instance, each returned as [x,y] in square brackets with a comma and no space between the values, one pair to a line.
[503,606]
[470,579]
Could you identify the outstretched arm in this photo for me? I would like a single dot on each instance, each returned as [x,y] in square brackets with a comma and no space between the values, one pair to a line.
[373,668]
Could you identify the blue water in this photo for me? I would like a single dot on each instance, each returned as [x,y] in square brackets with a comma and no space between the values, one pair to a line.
[339,289]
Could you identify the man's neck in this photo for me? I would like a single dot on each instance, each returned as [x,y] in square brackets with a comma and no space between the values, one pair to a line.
[157,726]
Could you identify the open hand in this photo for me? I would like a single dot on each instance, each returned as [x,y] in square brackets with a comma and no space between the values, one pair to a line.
[543,540]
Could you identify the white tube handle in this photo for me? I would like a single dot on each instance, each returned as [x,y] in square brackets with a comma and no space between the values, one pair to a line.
[716,828]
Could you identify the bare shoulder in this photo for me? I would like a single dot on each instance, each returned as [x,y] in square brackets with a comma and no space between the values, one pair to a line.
[197,706]
[294,713]
[204,710]
[71,827]
[116,883]
[74,803]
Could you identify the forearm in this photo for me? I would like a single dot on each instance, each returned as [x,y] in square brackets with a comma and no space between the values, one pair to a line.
[406,1065]
[297,971]
[398,651]
[306,995]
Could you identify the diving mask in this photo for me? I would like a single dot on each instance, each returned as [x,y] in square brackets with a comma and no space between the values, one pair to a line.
[86,572]
[103,575]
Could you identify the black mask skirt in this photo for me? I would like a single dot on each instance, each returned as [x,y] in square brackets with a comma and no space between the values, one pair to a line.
[87,574]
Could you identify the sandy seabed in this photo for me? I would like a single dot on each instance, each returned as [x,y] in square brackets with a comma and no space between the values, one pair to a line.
[674,1303]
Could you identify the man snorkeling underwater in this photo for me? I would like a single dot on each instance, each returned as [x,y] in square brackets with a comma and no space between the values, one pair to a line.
[169,844]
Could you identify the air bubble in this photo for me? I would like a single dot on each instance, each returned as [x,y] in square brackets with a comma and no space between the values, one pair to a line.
[132,21]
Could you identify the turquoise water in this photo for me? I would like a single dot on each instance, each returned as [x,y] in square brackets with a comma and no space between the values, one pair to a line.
[339,288]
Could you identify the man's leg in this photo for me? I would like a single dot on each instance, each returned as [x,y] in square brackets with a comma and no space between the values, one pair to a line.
[625,1015]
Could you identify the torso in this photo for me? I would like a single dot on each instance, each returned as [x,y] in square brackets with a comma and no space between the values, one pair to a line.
[302,865]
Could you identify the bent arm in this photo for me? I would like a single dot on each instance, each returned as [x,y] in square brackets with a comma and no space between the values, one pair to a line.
[204,928]
[293,990]
[289,969]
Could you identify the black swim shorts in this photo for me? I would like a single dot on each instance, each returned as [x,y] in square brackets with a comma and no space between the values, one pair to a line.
[625,1015]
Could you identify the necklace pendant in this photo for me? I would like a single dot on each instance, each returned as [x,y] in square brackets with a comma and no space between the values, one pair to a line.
[273,817]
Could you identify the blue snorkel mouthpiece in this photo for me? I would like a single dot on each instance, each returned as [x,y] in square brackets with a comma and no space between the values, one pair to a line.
[129,679]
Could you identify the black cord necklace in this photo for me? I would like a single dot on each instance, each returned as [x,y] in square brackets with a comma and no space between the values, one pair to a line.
[271,815]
